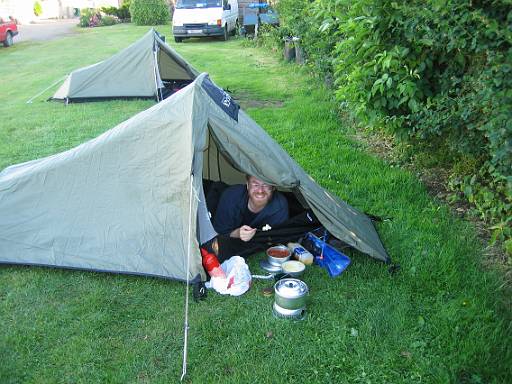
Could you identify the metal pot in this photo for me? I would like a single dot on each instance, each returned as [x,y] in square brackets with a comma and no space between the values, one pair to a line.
[290,293]
[281,250]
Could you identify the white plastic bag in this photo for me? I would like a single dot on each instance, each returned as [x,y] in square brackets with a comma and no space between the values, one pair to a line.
[238,280]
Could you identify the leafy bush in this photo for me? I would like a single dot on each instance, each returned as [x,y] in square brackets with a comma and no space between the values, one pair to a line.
[38,9]
[84,21]
[93,18]
[437,74]
[269,36]
[124,10]
[107,20]
[122,13]
[112,11]
[149,12]
[85,17]
[299,18]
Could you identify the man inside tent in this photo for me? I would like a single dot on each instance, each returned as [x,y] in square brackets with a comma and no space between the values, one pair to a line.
[242,209]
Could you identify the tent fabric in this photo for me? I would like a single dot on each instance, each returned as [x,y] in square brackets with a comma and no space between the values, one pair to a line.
[118,203]
[121,202]
[136,71]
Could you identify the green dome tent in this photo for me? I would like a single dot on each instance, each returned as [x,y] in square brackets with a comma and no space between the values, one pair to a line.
[148,68]
[132,200]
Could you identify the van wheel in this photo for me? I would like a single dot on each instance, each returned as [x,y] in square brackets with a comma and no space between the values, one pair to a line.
[8,40]
[178,39]
[225,37]
[237,28]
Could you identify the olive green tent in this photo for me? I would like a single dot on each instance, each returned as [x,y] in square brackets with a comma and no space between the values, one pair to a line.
[149,68]
[132,200]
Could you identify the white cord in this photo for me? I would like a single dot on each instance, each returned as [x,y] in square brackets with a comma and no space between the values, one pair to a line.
[44,90]
[185,342]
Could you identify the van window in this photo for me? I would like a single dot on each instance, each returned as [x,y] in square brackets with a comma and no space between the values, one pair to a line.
[198,3]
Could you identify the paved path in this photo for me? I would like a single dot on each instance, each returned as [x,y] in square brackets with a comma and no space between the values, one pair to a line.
[45,30]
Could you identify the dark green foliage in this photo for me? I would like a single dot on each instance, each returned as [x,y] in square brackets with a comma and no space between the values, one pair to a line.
[123,12]
[436,73]
[112,11]
[269,36]
[107,20]
[93,18]
[149,12]
[302,19]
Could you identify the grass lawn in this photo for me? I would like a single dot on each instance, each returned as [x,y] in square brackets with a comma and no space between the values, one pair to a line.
[444,318]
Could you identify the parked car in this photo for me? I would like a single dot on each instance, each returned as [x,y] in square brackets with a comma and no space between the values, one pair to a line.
[196,18]
[8,29]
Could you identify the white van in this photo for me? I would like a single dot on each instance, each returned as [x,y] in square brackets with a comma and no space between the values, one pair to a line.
[196,18]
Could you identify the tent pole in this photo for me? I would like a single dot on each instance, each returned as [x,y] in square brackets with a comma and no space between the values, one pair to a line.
[186,326]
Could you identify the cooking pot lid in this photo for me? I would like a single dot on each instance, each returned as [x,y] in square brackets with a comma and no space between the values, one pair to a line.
[291,288]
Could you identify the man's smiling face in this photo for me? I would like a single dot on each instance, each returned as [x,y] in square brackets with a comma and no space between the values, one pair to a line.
[259,192]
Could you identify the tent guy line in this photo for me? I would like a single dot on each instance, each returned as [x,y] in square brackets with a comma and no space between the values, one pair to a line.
[193,195]
[29,101]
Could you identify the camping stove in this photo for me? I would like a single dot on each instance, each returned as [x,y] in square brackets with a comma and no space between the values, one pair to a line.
[293,314]
[290,299]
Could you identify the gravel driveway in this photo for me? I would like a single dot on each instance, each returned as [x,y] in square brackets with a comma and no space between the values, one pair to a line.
[45,30]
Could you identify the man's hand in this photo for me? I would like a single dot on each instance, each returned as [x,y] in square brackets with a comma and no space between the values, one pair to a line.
[244,233]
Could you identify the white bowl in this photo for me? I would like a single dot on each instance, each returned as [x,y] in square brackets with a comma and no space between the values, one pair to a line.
[293,267]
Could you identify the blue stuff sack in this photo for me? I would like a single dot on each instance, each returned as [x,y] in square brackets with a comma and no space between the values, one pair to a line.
[326,256]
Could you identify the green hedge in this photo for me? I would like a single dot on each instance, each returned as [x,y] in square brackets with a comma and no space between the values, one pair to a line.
[438,74]
[149,12]
[122,13]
